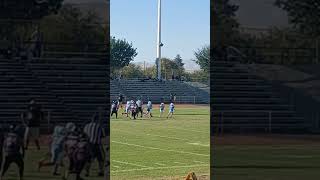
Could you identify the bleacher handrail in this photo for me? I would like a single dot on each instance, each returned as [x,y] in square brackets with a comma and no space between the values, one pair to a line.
[220,124]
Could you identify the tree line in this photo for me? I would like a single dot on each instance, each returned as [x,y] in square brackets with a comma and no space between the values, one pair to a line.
[123,55]
[296,44]
[62,27]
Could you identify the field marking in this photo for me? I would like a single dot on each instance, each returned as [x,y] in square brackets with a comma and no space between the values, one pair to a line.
[155,135]
[159,168]
[127,163]
[198,162]
[160,164]
[154,148]
[199,144]
[188,129]
[168,137]
[183,129]
[115,166]
[179,163]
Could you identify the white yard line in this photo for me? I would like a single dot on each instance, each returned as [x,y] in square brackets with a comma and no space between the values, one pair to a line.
[159,168]
[186,129]
[199,144]
[155,148]
[168,137]
[198,162]
[179,163]
[154,135]
[127,163]
[160,164]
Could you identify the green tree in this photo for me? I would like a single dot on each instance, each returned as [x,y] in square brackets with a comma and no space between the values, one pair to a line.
[151,72]
[203,58]
[28,9]
[132,71]
[122,53]
[178,60]
[167,67]
[23,15]
[223,22]
[304,15]
[198,76]
[78,30]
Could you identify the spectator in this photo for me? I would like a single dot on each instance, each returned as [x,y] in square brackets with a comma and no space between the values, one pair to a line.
[171,97]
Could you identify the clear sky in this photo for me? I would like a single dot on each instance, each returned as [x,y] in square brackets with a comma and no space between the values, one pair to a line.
[185,27]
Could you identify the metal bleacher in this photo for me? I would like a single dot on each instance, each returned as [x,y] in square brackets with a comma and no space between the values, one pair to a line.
[155,90]
[245,103]
[68,90]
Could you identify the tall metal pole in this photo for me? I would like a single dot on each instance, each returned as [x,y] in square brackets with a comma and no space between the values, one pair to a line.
[159,40]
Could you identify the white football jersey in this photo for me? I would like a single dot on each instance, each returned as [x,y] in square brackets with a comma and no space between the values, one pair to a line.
[139,103]
[171,106]
[149,105]
[162,106]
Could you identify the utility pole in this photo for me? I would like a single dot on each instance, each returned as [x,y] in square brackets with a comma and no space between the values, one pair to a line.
[144,67]
[159,44]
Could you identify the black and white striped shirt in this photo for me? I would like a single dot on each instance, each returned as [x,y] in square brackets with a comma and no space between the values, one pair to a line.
[94,132]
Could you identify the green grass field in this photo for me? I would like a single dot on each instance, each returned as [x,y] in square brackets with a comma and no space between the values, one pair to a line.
[31,168]
[160,148]
[285,161]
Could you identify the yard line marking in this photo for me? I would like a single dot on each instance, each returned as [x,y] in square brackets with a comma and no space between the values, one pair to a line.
[155,135]
[198,144]
[179,163]
[168,137]
[127,163]
[160,164]
[155,148]
[188,129]
[198,162]
[116,166]
[183,129]
[158,168]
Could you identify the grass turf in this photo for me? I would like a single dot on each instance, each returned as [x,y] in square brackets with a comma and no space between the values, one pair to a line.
[31,164]
[159,147]
[266,162]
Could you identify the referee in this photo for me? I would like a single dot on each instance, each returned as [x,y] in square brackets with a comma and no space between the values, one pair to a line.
[95,134]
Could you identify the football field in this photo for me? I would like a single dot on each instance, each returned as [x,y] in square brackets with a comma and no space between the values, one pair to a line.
[161,148]
[266,157]
[31,172]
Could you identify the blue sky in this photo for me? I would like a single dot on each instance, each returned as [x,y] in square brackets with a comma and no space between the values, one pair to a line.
[185,27]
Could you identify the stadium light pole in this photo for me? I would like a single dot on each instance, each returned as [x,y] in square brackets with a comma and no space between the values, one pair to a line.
[159,44]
